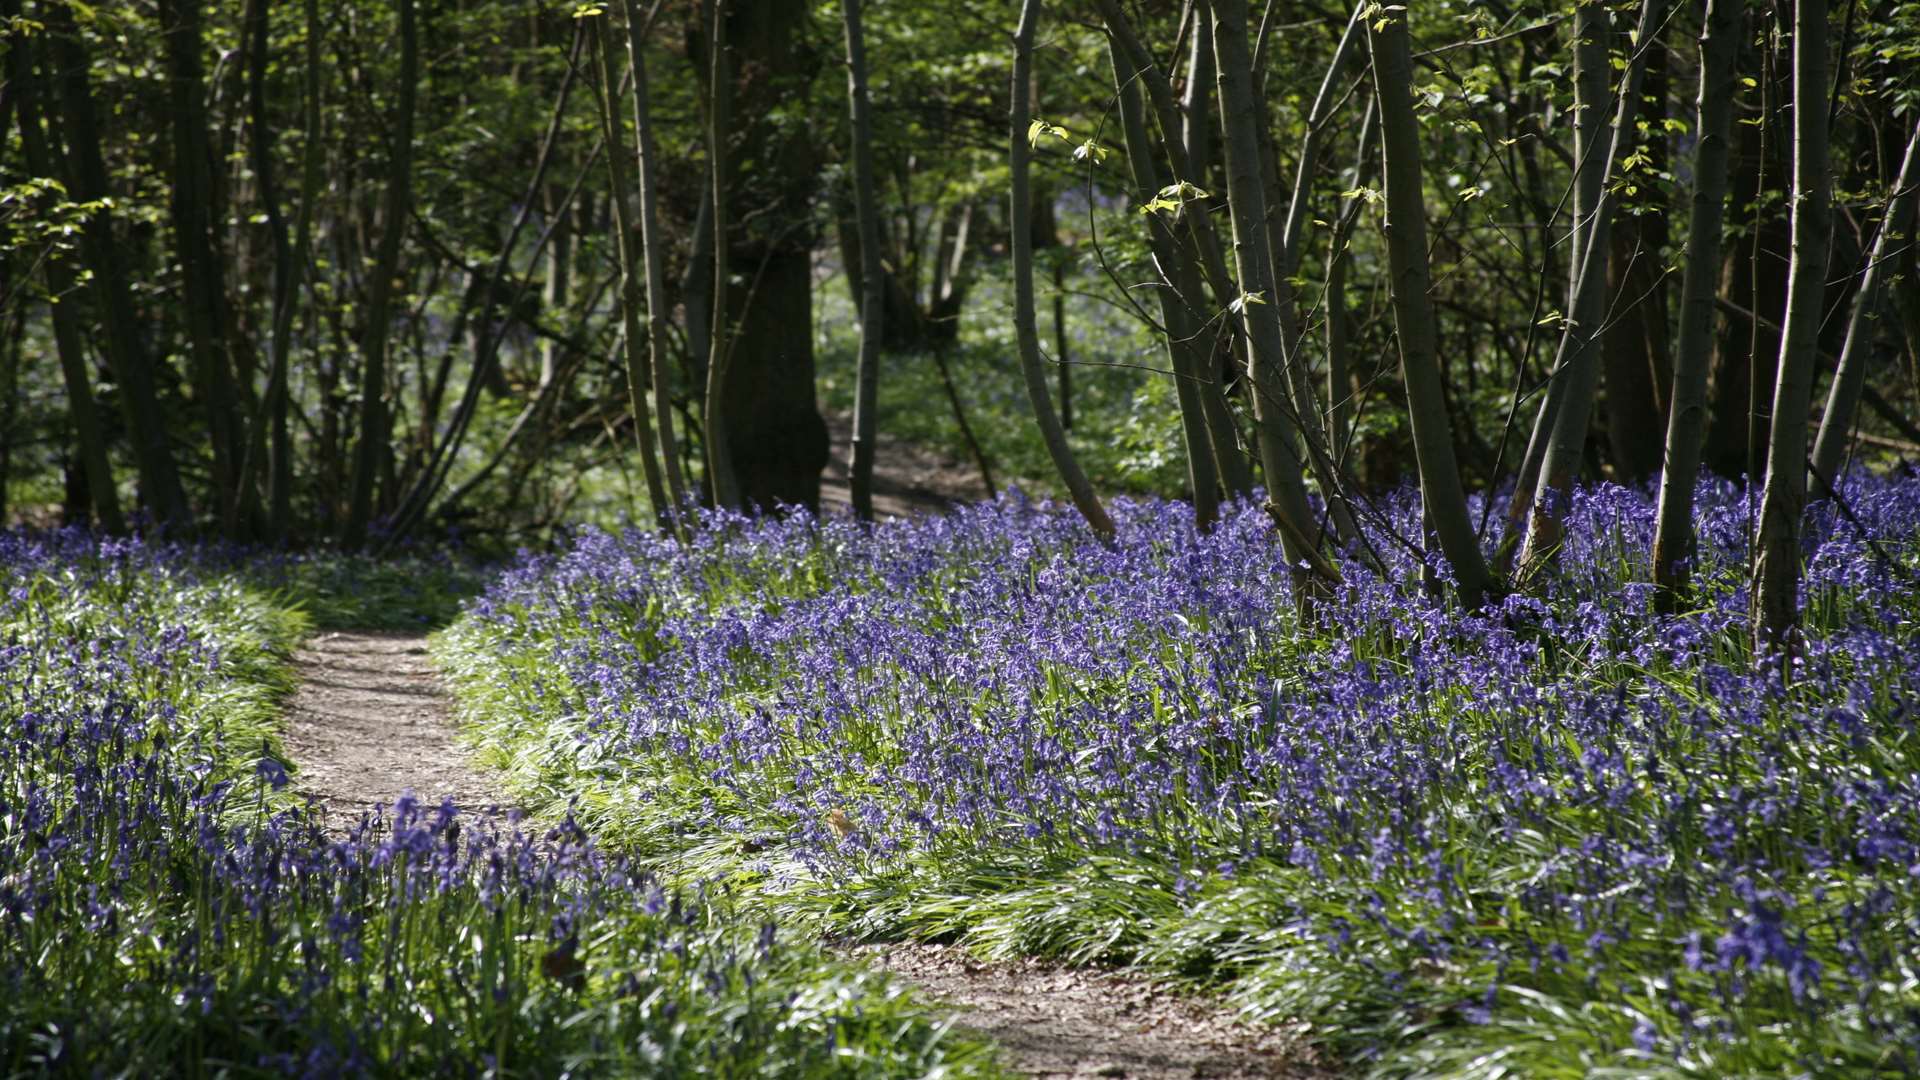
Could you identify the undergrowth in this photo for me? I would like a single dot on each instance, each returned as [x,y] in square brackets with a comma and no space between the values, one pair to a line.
[1567,836]
[168,906]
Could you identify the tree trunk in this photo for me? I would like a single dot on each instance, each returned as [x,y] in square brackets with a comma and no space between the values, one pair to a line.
[1843,397]
[1776,573]
[1635,351]
[191,194]
[1202,269]
[1687,406]
[132,366]
[775,440]
[376,421]
[721,476]
[1406,227]
[632,269]
[1259,300]
[653,257]
[1026,331]
[267,441]
[1187,353]
[873,285]
[1753,277]
[63,295]
[1576,370]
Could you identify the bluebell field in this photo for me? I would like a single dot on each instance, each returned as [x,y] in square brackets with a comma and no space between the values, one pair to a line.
[167,906]
[1561,836]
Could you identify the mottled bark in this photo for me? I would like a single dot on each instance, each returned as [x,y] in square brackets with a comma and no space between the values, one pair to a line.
[1843,397]
[1776,574]
[1442,494]
[873,306]
[376,420]
[1026,331]
[1687,409]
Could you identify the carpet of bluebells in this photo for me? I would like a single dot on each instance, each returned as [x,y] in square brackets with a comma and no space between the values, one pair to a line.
[167,906]
[1562,836]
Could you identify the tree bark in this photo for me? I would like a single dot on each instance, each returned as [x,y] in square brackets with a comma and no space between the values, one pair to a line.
[1441,492]
[721,479]
[63,297]
[376,421]
[1259,301]
[1843,397]
[1635,353]
[1776,573]
[632,268]
[132,366]
[1576,370]
[1026,331]
[873,284]
[267,442]
[653,256]
[191,193]
[1186,352]
[1687,404]
[776,441]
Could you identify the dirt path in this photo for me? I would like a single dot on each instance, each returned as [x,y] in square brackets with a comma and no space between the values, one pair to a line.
[1056,1022]
[909,480]
[370,721]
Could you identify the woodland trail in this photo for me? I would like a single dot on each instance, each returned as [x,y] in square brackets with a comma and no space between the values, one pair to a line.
[1053,1022]
[372,720]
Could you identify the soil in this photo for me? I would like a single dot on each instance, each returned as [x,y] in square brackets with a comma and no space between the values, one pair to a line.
[370,722]
[1053,1022]
[909,480]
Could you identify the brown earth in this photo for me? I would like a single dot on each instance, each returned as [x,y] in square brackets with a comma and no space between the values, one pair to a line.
[371,721]
[1055,1022]
[909,480]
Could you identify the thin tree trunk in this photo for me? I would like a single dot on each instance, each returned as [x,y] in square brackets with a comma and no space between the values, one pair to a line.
[1441,492]
[1576,370]
[1843,397]
[1341,382]
[1201,256]
[1062,356]
[1259,300]
[872,274]
[1187,136]
[974,449]
[1673,540]
[631,270]
[653,258]
[1636,350]
[1287,256]
[191,194]
[1020,224]
[721,478]
[1776,572]
[376,421]
[126,353]
[63,294]
[267,438]
[1184,352]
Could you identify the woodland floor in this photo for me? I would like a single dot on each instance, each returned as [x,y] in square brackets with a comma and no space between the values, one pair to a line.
[371,720]
[908,479]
